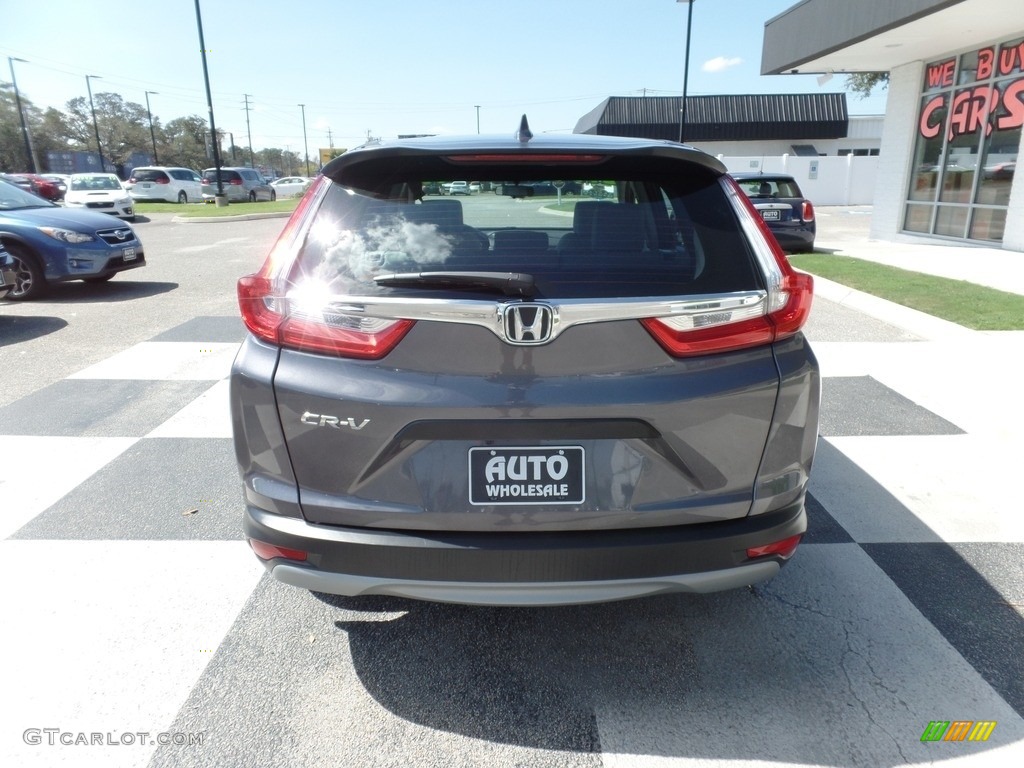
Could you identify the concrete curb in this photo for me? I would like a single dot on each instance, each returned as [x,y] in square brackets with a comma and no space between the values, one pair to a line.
[911,320]
[239,217]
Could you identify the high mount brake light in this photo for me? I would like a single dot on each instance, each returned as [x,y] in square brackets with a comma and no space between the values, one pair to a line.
[782,314]
[516,158]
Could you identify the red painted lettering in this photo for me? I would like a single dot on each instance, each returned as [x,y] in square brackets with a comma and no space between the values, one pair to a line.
[1013,101]
[941,75]
[1011,59]
[928,128]
[971,110]
[986,58]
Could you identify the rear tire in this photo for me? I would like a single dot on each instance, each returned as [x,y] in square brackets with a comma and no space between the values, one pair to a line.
[29,282]
[182,197]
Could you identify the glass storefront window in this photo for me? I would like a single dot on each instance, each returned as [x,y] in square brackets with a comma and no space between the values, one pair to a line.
[968,138]
[988,224]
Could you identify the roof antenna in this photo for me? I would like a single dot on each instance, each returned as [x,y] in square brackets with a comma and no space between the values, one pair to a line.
[524,134]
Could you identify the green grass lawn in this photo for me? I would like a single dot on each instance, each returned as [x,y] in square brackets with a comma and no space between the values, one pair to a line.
[967,304]
[209,209]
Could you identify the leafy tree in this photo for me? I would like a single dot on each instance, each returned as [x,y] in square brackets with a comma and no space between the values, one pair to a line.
[184,141]
[863,83]
[123,126]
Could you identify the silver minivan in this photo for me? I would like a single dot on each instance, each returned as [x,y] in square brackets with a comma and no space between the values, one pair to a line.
[476,401]
[240,185]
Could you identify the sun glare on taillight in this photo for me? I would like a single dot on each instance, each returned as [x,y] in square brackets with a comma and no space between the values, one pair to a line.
[301,316]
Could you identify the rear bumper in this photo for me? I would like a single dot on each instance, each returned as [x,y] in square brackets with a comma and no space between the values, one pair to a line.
[526,569]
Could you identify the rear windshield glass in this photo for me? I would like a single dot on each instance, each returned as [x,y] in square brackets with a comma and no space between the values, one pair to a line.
[224,175]
[633,228]
[143,175]
[770,188]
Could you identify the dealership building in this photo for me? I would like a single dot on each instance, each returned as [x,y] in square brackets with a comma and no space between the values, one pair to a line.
[952,130]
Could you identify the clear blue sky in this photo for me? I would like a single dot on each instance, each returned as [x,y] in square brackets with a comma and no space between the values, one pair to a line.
[390,66]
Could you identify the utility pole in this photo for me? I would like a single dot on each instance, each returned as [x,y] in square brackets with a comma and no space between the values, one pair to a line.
[477,118]
[221,199]
[330,139]
[152,135]
[29,151]
[305,141]
[95,125]
[252,163]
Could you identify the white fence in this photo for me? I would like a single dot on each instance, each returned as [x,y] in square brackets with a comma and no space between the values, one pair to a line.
[831,180]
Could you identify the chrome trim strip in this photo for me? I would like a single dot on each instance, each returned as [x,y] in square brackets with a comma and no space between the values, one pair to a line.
[565,313]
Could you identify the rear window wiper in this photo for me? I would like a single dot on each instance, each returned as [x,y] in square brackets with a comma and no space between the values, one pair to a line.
[508,283]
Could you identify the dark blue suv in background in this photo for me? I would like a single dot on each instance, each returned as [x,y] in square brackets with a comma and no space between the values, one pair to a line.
[52,244]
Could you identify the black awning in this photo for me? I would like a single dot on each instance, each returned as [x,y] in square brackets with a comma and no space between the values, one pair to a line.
[721,118]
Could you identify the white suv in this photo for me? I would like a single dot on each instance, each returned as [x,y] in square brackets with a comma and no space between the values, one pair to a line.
[172,185]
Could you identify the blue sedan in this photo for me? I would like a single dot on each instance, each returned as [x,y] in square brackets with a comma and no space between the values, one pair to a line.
[51,244]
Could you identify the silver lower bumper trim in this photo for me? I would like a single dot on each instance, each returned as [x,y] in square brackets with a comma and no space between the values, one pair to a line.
[524,593]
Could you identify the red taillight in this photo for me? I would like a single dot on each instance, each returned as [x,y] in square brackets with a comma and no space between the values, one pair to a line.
[270,315]
[265,551]
[784,548]
[164,180]
[807,211]
[787,304]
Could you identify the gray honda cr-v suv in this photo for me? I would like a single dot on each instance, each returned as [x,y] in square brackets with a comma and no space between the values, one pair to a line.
[511,400]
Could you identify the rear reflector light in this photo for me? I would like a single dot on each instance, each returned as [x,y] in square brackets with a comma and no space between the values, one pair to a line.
[783,549]
[807,211]
[265,551]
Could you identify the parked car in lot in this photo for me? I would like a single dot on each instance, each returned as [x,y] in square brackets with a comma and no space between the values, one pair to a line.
[38,185]
[240,185]
[100,192]
[458,188]
[487,404]
[783,207]
[291,186]
[53,244]
[8,276]
[60,180]
[165,183]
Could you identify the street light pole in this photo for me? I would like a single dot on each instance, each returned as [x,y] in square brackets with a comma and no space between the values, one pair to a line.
[152,135]
[95,125]
[478,118]
[686,71]
[305,142]
[221,199]
[21,115]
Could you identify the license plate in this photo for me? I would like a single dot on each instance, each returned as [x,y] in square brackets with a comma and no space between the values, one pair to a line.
[771,215]
[145,185]
[526,475]
[128,254]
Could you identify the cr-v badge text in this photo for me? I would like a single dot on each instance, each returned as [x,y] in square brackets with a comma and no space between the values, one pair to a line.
[323,420]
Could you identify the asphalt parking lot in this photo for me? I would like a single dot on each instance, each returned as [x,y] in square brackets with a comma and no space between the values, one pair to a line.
[134,606]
